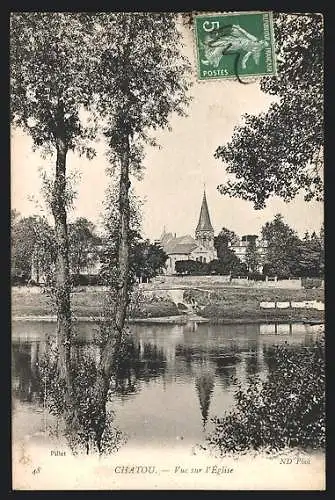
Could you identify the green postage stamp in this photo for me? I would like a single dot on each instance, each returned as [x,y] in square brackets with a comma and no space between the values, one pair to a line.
[235,45]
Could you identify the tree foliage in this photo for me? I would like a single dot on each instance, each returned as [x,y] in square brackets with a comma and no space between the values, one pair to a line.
[252,257]
[230,264]
[227,262]
[288,255]
[311,256]
[279,152]
[282,247]
[287,410]
[142,80]
[52,58]
[222,241]
[147,260]
[192,267]
[83,243]
[33,247]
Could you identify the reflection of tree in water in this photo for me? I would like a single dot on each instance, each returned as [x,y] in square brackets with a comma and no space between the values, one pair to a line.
[205,386]
[26,382]
[226,372]
[224,358]
[141,363]
[251,363]
[191,353]
[86,428]
[202,353]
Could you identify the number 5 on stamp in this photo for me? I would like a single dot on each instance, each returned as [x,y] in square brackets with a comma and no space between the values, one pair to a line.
[235,45]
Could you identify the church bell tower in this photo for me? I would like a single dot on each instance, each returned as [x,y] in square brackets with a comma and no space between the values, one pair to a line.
[204,233]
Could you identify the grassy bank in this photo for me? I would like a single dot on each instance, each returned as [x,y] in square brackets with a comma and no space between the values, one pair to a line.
[219,305]
[240,303]
[219,314]
[84,304]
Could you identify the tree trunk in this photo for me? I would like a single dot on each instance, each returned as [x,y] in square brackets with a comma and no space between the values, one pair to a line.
[62,291]
[122,293]
[122,298]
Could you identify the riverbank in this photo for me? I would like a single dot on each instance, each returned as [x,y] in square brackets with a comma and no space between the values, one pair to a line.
[243,305]
[85,304]
[181,320]
[220,306]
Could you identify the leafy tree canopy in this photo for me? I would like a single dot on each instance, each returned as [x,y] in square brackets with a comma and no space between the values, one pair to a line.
[83,244]
[147,259]
[32,241]
[283,246]
[222,240]
[288,255]
[252,257]
[53,56]
[142,79]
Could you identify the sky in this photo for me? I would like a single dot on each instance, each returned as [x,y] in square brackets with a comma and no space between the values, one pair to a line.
[172,186]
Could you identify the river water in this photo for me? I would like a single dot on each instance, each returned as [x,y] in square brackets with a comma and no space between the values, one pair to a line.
[182,377]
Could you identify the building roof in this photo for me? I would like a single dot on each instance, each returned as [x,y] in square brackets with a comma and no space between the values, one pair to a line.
[182,245]
[204,223]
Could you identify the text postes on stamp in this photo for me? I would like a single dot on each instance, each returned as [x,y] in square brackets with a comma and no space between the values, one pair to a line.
[235,45]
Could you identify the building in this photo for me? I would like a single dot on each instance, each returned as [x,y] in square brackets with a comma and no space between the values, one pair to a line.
[201,248]
[240,248]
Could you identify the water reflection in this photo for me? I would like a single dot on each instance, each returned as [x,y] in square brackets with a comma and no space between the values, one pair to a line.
[205,385]
[172,380]
[25,378]
[144,362]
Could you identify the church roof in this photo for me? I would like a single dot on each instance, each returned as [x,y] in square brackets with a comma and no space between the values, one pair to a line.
[182,248]
[181,245]
[204,223]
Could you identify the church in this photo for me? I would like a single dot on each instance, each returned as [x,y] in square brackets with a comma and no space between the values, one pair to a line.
[201,248]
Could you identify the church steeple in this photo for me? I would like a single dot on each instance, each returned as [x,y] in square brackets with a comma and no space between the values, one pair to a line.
[204,232]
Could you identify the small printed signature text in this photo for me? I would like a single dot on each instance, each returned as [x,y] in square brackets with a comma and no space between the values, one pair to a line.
[57,453]
[294,460]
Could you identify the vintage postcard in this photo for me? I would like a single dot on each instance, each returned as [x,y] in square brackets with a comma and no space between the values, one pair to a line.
[167,251]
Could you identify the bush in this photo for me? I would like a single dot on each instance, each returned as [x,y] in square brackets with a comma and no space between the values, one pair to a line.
[191,267]
[18,279]
[79,280]
[94,279]
[288,410]
[155,309]
[256,276]
[181,306]
[311,282]
[85,279]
